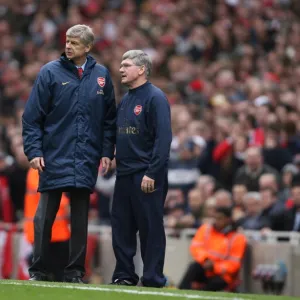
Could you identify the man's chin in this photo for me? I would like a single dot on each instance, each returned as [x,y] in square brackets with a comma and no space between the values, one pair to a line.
[69,56]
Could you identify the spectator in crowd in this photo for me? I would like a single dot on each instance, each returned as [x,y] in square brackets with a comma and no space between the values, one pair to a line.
[104,187]
[207,185]
[253,169]
[209,209]
[193,217]
[296,161]
[274,154]
[239,190]
[185,150]
[288,172]
[223,198]
[217,251]
[271,206]
[289,219]
[175,206]
[253,220]
[270,181]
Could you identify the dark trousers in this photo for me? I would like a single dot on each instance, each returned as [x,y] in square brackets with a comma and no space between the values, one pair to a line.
[57,260]
[133,211]
[196,273]
[43,221]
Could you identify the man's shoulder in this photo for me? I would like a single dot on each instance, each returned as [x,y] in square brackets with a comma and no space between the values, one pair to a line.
[101,68]
[156,91]
[50,65]
[156,94]
[239,236]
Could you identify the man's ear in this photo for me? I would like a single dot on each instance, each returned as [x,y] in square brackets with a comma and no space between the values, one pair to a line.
[88,48]
[142,70]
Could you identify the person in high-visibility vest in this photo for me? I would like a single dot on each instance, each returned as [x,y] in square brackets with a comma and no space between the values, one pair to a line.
[217,251]
[59,247]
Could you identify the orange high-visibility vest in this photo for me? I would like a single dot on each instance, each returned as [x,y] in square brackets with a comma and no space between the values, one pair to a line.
[226,251]
[60,229]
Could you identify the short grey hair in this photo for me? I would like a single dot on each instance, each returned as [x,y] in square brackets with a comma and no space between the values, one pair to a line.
[84,32]
[139,58]
[252,195]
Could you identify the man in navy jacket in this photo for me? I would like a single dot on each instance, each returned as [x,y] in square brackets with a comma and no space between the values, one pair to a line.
[142,152]
[69,125]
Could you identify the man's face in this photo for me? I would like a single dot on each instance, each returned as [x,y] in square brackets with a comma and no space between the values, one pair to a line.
[129,71]
[252,207]
[267,198]
[267,183]
[195,200]
[221,221]
[296,195]
[253,160]
[238,192]
[75,48]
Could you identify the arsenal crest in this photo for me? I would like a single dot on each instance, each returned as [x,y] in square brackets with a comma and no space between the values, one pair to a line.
[138,109]
[101,81]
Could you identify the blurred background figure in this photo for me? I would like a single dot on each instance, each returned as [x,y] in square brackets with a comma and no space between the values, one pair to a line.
[216,264]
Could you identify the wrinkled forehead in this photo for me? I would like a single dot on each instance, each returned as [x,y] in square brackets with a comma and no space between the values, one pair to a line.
[127,62]
[73,39]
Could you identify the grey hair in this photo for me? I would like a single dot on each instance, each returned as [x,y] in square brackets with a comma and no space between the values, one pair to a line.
[252,195]
[139,58]
[84,32]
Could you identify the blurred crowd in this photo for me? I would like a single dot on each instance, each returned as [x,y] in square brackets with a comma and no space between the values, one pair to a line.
[231,72]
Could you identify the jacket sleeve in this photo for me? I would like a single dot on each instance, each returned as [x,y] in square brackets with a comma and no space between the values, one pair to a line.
[109,135]
[233,261]
[34,115]
[197,247]
[160,121]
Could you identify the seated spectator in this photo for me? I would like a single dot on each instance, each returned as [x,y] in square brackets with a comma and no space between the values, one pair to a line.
[288,172]
[296,160]
[104,188]
[289,219]
[253,220]
[274,154]
[174,207]
[184,154]
[270,181]
[207,185]
[271,206]
[229,157]
[223,198]
[217,251]
[239,190]
[209,209]
[192,219]
[253,169]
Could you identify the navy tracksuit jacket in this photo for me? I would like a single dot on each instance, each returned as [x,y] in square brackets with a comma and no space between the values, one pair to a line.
[142,148]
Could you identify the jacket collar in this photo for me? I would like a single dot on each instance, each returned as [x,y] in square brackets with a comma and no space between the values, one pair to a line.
[68,64]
